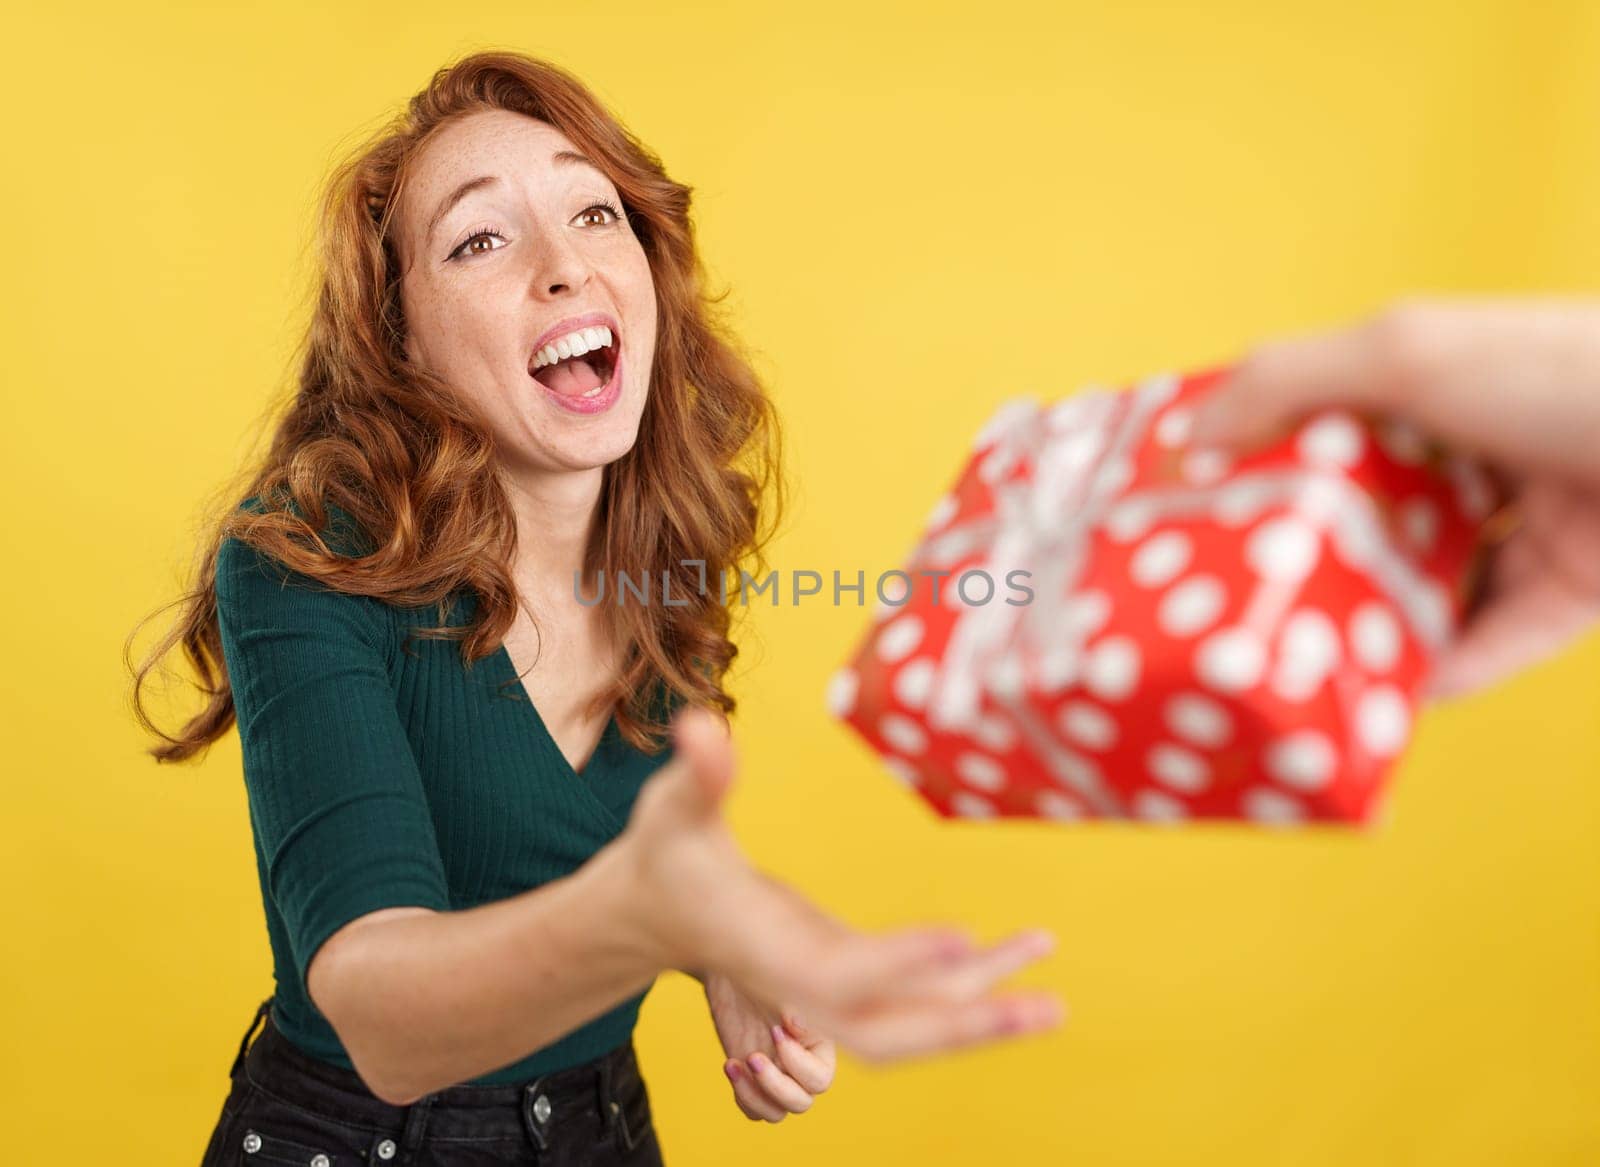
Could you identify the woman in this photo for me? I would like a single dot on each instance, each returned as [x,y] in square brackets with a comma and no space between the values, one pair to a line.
[512,386]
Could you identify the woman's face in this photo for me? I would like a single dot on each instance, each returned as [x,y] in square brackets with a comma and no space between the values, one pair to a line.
[504,248]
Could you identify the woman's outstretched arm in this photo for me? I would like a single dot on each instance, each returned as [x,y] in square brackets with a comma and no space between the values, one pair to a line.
[424,999]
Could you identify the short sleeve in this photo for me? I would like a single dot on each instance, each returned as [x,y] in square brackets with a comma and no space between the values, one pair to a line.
[335,794]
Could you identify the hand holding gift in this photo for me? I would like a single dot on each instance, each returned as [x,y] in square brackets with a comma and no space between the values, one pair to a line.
[1518,382]
[1209,636]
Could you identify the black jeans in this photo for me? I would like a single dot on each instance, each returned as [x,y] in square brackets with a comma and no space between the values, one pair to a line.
[287,1107]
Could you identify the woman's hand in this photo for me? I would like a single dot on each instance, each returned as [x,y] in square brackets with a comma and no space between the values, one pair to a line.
[1515,382]
[776,1066]
[700,905]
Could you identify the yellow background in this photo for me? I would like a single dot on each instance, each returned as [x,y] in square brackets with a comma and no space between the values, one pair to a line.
[921,210]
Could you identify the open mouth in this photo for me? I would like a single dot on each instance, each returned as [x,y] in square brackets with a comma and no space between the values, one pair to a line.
[591,357]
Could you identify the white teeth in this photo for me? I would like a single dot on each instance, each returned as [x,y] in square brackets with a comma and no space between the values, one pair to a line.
[573,344]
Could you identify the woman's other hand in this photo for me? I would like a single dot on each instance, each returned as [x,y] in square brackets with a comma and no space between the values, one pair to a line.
[776,1065]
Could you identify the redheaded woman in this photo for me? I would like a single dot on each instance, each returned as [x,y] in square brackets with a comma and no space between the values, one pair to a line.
[486,809]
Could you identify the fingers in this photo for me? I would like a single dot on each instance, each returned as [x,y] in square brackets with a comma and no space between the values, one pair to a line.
[779,1088]
[1533,611]
[974,975]
[769,1089]
[812,1068]
[1282,380]
[1507,636]
[749,1094]
[917,990]
[861,968]
[914,994]
[891,1035]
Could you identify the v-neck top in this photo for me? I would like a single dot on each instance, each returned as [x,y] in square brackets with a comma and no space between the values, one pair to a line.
[382,771]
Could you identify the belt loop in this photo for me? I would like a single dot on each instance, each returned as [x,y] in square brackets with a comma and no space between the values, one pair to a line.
[416,1123]
[611,1107]
[608,1106]
[244,1042]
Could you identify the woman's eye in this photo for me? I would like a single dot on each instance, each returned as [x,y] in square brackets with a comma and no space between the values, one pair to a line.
[609,208]
[467,247]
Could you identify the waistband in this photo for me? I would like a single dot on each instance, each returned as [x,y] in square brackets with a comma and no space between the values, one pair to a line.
[277,1067]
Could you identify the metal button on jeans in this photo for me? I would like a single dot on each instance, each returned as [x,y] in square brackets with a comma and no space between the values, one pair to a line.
[386,1149]
[320,1161]
[252,1142]
[541,1108]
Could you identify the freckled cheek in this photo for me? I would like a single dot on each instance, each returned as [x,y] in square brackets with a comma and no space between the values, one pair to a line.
[473,346]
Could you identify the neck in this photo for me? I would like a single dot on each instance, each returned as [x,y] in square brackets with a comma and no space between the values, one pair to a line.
[555,513]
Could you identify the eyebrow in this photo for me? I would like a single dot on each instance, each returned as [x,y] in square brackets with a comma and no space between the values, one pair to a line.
[560,157]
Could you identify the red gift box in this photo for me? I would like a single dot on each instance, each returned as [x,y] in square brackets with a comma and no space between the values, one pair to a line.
[1101,621]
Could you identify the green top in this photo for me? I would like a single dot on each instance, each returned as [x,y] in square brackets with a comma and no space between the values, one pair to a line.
[382,772]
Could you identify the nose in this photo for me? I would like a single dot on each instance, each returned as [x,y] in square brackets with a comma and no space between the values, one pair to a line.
[558,263]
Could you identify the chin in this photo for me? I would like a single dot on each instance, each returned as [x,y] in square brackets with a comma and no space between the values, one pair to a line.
[572,452]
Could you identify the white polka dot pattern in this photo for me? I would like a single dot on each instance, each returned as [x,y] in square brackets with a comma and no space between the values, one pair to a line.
[1112,669]
[900,638]
[1192,606]
[1172,428]
[1161,558]
[1283,548]
[903,734]
[1199,719]
[1271,808]
[1383,720]
[1087,612]
[1375,637]
[1204,467]
[1307,655]
[1334,440]
[1231,661]
[972,806]
[1088,725]
[1129,520]
[1154,807]
[1177,767]
[1304,759]
[1057,806]
[914,682]
[981,771]
[842,689]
